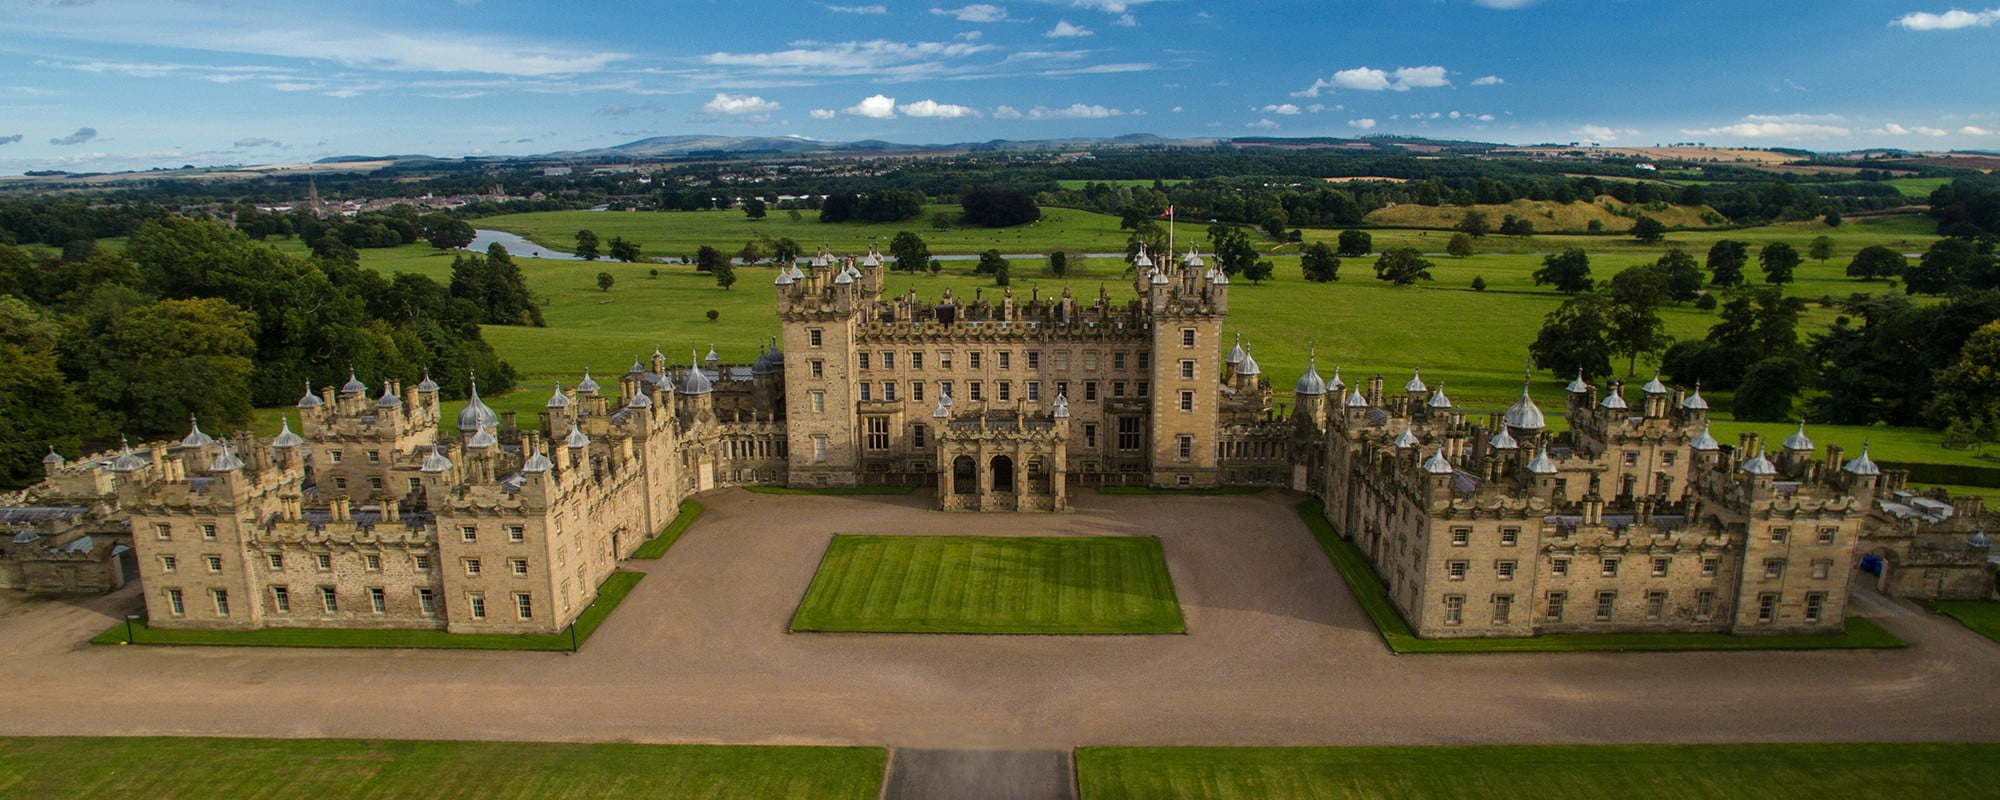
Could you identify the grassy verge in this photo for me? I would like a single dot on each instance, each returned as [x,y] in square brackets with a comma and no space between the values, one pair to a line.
[690,511]
[991,584]
[1982,616]
[66,768]
[1374,599]
[1219,490]
[609,595]
[1541,772]
[831,489]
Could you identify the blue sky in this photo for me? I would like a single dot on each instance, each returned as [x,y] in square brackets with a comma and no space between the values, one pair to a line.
[122,84]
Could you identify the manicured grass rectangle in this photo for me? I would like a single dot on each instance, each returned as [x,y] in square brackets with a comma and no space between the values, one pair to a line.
[1982,616]
[1541,772]
[78,768]
[609,595]
[991,584]
[690,511]
[1374,599]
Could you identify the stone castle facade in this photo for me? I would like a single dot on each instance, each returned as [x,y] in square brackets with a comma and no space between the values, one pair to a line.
[380,513]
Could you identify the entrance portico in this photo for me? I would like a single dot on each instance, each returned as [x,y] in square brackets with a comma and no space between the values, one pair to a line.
[1003,460]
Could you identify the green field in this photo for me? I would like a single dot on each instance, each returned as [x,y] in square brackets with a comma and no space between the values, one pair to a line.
[679,233]
[991,584]
[1982,616]
[76,768]
[609,595]
[1541,772]
[1373,598]
[1918,188]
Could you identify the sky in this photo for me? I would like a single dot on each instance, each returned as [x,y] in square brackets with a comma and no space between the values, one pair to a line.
[92,85]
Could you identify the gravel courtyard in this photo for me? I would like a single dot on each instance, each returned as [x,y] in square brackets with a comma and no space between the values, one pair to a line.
[1277,653]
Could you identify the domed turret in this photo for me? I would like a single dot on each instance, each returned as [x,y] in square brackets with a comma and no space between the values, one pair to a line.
[1798,441]
[286,438]
[1416,384]
[1438,401]
[1759,465]
[1861,465]
[225,461]
[694,382]
[1407,439]
[1310,384]
[353,385]
[1541,464]
[559,399]
[1193,259]
[587,385]
[427,386]
[1694,401]
[1236,353]
[1654,386]
[195,437]
[1437,464]
[1354,398]
[538,462]
[127,461]
[310,400]
[1615,401]
[1142,261]
[1248,365]
[1578,385]
[436,462]
[476,416]
[1524,414]
[1061,408]
[388,398]
[1335,385]
[639,400]
[1502,440]
[1704,442]
[53,459]
[576,440]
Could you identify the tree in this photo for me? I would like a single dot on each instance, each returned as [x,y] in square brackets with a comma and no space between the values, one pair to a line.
[909,251]
[1778,260]
[1768,389]
[990,263]
[1833,219]
[941,221]
[586,245]
[1460,246]
[1968,391]
[794,215]
[1274,227]
[604,281]
[1233,251]
[1058,263]
[1001,276]
[1648,230]
[1636,329]
[784,251]
[751,253]
[1319,263]
[1726,260]
[725,274]
[994,208]
[713,315]
[42,406]
[1149,235]
[1951,263]
[1682,274]
[709,259]
[446,232]
[755,208]
[1479,283]
[1402,266]
[1567,269]
[1258,271]
[493,283]
[1473,224]
[1356,243]
[1517,226]
[1820,248]
[623,250]
[1877,261]
[165,360]
[1575,338]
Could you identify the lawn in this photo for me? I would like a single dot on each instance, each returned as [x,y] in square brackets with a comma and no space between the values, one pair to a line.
[1374,600]
[77,768]
[991,584]
[1541,772]
[679,233]
[609,595]
[690,511]
[1982,616]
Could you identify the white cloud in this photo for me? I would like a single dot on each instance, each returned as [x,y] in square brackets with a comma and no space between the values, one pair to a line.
[79,137]
[936,110]
[1126,21]
[1006,112]
[1286,109]
[878,56]
[821,113]
[258,141]
[1596,133]
[738,104]
[1175,109]
[1064,30]
[870,9]
[977,12]
[1071,111]
[1485,118]
[1488,80]
[1893,129]
[1363,124]
[1948,21]
[1788,126]
[1969,130]
[1369,79]
[874,107]
[1420,78]
[1262,123]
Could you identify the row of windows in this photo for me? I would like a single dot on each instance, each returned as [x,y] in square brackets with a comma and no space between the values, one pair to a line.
[329,599]
[1656,606]
[165,532]
[1002,359]
[1825,535]
[1004,392]
[1461,537]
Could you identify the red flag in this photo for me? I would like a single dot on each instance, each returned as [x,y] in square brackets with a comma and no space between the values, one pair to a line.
[1167,213]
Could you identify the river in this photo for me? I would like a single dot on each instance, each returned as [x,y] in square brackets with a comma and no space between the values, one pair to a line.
[515,245]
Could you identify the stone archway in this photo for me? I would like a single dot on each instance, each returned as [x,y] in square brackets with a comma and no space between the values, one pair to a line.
[1003,474]
[964,476]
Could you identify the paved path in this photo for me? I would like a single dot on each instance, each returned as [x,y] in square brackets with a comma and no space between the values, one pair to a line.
[1278,654]
[980,775]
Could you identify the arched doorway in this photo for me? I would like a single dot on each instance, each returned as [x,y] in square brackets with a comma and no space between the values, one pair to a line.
[964,476]
[1003,474]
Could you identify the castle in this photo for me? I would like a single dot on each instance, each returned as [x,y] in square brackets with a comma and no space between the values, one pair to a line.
[376,513]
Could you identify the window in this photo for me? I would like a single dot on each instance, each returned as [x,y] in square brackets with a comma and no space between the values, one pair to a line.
[1815,605]
[1660,567]
[422,562]
[975,390]
[1510,536]
[815,337]
[944,359]
[427,601]
[1090,434]
[1826,535]
[1767,606]
[524,605]
[468,533]
[1145,360]
[169,564]
[819,447]
[1556,601]
[324,561]
[1184,447]
[889,390]
[817,400]
[917,391]
[1710,566]
[1631,458]
[1006,359]
[221,598]
[214,563]
[888,360]
[1503,608]
[1656,603]
[1559,566]
[339,482]
[1034,390]
[1610,568]
[1704,605]
[1062,360]
[1461,537]
[1778,535]
[972,359]
[917,432]
[1090,360]
[816,368]
[1034,359]
[1187,401]
[329,600]
[1145,388]
[472,567]
[277,560]
[281,599]
[1455,570]
[1128,433]
[1774,568]
[916,359]
[1117,388]
[1821,569]
[1505,569]
[377,601]
[1090,390]
[333,456]
[1667,458]
[475,605]
[164,533]
[374,456]
[518,565]
[174,604]
[1118,360]
[1605,602]
[208,532]
[372,562]
[415,484]
[867,391]
[1187,337]
[1454,609]
[516,534]
[1006,391]
[861,360]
